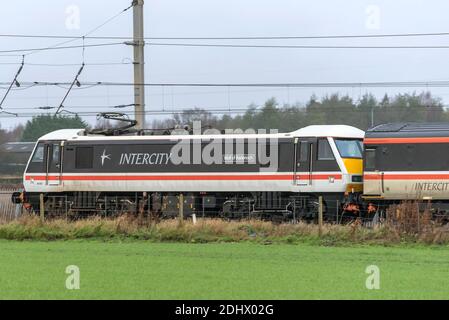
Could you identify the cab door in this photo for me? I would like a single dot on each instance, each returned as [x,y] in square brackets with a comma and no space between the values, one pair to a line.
[303,164]
[373,181]
[53,152]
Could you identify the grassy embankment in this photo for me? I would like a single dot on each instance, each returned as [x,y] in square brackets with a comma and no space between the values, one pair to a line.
[143,270]
[399,228]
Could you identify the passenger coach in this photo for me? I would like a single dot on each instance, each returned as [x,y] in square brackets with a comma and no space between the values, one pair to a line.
[405,161]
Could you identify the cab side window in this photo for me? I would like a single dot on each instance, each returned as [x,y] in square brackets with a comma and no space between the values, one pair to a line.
[304,151]
[84,158]
[324,150]
[38,156]
[56,154]
[37,160]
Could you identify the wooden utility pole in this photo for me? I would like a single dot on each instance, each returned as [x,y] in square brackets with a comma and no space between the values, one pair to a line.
[42,207]
[139,64]
[181,209]
[320,215]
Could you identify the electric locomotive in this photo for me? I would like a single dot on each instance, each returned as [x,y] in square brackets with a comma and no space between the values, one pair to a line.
[274,175]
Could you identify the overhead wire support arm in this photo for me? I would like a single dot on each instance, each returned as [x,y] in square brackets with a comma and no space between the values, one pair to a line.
[9,113]
[75,81]
[120,106]
[13,82]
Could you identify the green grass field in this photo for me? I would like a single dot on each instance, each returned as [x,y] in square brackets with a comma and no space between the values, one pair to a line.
[144,270]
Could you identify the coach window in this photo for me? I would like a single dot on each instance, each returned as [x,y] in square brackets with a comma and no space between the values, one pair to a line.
[324,150]
[370,159]
[84,157]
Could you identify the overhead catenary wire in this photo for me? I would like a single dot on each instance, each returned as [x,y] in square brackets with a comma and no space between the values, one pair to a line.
[86,37]
[208,109]
[63,47]
[81,107]
[154,94]
[58,45]
[31,85]
[380,84]
[108,20]
[69,64]
[21,88]
[266,46]
[229,45]
[283,37]
[235,111]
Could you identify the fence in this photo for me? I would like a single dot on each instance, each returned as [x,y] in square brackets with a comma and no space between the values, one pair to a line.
[8,210]
[281,209]
[408,215]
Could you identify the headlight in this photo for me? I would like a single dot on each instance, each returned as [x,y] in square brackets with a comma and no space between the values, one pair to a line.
[357,178]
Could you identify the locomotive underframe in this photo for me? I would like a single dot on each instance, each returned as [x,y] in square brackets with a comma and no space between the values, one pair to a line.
[275,206]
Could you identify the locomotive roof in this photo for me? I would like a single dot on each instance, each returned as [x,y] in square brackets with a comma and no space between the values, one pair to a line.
[340,131]
[409,130]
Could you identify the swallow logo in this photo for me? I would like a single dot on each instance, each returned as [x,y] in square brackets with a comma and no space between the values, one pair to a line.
[105,156]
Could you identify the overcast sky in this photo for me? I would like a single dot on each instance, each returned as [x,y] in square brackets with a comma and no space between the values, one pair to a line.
[221,18]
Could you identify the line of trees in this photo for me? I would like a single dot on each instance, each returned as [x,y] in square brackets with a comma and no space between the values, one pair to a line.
[331,109]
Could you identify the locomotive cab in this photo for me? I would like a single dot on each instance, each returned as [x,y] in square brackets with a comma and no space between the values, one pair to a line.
[341,156]
[45,165]
[44,171]
[351,152]
[332,161]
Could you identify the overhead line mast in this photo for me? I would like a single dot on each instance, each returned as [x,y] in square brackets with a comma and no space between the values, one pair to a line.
[139,63]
